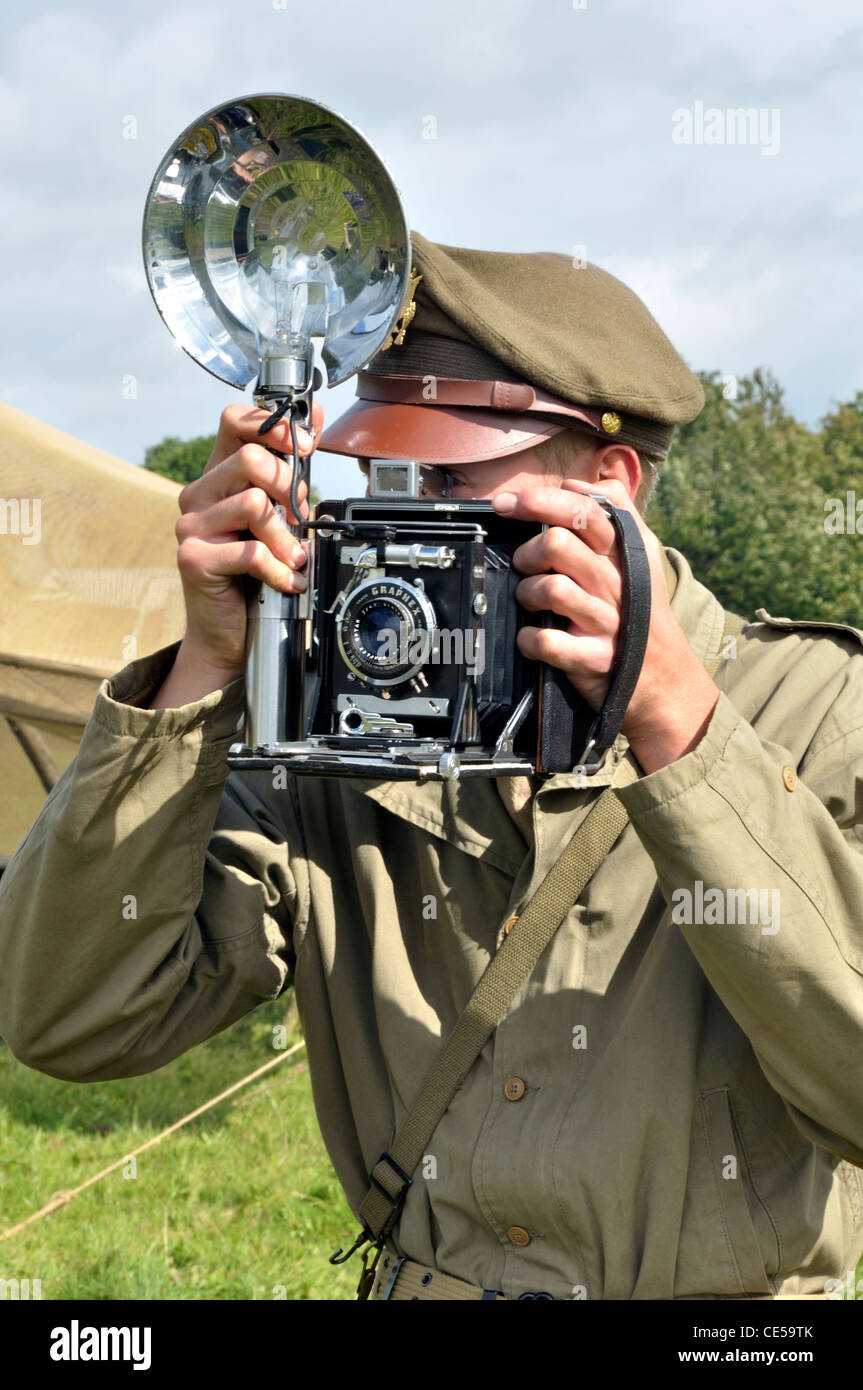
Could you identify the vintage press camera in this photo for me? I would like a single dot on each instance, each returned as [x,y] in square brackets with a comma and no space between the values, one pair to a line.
[400,660]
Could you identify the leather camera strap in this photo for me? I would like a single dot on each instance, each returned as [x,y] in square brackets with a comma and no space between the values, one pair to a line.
[632,644]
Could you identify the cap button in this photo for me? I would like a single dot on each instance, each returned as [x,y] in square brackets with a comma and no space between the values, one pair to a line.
[610,421]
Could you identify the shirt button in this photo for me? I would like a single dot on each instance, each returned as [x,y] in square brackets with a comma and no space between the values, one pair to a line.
[518,1235]
[514,1088]
[789,777]
[509,924]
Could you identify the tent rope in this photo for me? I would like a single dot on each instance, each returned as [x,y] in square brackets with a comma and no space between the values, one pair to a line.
[37,751]
[60,1199]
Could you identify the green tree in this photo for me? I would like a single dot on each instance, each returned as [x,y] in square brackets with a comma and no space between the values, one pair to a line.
[182,460]
[743,496]
[840,468]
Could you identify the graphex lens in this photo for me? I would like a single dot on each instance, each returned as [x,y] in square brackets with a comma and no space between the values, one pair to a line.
[386,629]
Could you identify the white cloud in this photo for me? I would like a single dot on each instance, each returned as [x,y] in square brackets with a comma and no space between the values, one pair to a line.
[130,277]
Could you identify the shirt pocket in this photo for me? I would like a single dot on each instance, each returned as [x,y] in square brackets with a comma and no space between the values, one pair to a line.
[734,1191]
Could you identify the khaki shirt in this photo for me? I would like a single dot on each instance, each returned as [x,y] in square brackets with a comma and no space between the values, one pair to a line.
[691,1122]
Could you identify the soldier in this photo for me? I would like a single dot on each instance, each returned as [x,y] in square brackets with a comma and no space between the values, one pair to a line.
[670,1105]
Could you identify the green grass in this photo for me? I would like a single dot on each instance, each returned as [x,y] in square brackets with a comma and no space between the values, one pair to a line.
[242,1203]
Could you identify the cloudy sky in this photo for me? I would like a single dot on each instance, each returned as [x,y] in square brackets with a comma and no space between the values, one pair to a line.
[555,125]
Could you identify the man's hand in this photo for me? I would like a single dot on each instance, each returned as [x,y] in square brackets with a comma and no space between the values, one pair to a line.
[231,498]
[574,570]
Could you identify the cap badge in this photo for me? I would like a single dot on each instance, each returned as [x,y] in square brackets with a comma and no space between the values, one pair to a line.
[611,421]
[408,309]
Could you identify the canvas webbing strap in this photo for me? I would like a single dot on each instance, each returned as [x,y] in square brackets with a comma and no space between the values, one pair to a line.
[495,991]
[492,997]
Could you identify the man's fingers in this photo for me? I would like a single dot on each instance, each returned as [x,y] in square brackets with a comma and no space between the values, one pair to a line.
[201,559]
[556,506]
[617,494]
[556,593]
[615,491]
[249,510]
[239,424]
[563,552]
[612,488]
[251,466]
[590,654]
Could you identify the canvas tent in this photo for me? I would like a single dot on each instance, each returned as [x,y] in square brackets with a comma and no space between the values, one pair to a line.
[88,581]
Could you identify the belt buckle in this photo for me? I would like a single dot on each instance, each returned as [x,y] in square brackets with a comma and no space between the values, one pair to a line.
[405,1178]
[391,1281]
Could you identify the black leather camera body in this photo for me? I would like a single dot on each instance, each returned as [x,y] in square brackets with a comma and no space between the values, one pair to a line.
[404,651]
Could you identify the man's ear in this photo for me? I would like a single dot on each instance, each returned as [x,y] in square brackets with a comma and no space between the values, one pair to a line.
[621,462]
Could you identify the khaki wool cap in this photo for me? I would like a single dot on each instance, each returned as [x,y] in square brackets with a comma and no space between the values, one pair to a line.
[495,351]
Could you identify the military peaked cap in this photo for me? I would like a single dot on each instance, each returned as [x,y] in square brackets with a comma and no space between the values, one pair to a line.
[495,351]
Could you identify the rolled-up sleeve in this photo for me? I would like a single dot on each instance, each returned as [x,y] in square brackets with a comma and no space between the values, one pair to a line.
[152,902]
[735,815]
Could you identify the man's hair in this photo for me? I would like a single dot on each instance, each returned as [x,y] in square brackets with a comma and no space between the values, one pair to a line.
[561,451]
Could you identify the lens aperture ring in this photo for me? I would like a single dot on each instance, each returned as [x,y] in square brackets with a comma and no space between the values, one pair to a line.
[385,631]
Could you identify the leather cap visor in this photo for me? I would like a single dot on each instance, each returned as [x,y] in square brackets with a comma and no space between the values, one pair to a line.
[432,433]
